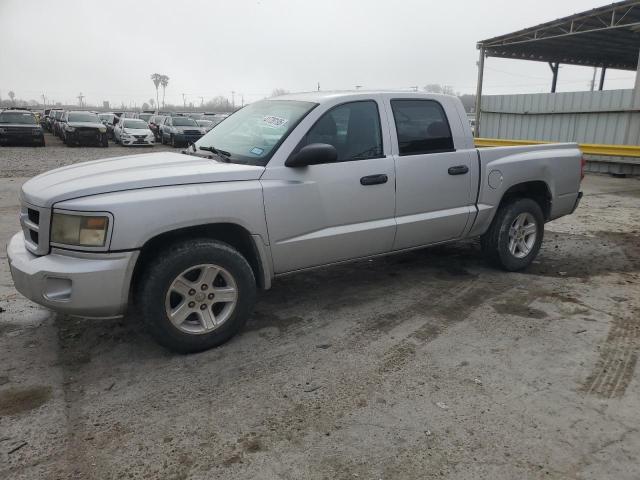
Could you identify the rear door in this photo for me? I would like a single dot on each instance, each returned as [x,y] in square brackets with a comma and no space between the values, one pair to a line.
[434,176]
[327,213]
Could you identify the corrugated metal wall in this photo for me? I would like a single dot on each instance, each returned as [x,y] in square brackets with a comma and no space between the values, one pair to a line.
[584,117]
[603,117]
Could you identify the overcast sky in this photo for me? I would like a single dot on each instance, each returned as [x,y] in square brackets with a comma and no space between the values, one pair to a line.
[108,49]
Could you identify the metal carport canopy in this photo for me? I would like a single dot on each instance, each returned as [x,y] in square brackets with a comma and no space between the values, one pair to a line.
[607,37]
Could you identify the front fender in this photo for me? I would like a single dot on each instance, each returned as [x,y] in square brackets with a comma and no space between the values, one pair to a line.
[142,214]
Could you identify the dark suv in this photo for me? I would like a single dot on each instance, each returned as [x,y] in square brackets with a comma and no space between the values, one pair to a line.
[20,126]
[180,131]
[83,127]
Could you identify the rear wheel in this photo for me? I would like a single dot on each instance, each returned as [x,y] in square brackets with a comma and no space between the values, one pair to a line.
[196,295]
[515,235]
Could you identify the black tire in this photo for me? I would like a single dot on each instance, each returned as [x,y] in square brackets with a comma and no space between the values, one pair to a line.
[156,279]
[495,242]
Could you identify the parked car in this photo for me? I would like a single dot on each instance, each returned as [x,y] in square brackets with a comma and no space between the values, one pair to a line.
[145,116]
[49,120]
[20,127]
[216,118]
[154,125]
[206,124]
[43,118]
[293,183]
[133,131]
[81,127]
[57,124]
[178,131]
[110,120]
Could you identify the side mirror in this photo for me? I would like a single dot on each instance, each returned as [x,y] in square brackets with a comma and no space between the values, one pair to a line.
[313,154]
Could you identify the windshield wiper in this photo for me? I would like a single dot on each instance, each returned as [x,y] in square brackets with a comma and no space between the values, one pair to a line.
[220,153]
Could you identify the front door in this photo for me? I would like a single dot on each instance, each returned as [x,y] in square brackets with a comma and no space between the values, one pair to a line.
[327,213]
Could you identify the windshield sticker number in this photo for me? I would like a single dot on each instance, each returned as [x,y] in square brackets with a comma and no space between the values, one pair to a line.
[273,121]
[256,151]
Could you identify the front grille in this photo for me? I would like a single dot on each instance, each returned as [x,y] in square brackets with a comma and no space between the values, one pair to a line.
[87,132]
[140,137]
[35,226]
[34,215]
[20,130]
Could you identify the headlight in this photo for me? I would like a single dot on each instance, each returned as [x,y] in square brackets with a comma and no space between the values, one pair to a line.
[102,129]
[69,129]
[80,230]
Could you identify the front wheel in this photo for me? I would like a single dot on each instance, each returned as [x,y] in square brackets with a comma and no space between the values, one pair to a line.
[515,235]
[196,295]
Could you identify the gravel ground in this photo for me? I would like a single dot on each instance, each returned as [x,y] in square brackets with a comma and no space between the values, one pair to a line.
[17,161]
[424,365]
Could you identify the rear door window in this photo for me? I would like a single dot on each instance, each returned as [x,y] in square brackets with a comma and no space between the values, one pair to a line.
[422,127]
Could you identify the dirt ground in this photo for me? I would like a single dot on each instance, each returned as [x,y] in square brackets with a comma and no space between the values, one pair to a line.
[424,365]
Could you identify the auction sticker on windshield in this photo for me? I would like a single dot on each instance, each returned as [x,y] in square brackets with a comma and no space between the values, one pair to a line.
[273,121]
[256,151]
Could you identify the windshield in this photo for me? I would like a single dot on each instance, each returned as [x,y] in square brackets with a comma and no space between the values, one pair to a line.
[139,124]
[184,122]
[252,134]
[58,114]
[145,116]
[17,117]
[83,117]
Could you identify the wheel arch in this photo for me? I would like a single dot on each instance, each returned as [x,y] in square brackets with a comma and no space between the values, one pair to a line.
[537,190]
[238,237]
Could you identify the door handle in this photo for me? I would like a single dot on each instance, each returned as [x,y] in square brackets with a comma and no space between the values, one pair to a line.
[458,170]
[374,179]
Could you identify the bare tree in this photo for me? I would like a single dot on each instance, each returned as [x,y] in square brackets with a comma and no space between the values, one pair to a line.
[437,88]
[164,81]
[156,78]
[279,91]
[12,96]
[152,102]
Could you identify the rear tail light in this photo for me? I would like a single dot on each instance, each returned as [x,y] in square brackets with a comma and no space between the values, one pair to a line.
[583,164]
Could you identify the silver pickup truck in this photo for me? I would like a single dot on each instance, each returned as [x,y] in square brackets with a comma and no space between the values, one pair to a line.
[282,185]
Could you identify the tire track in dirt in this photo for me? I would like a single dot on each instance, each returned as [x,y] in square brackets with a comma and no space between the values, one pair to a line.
[616,365]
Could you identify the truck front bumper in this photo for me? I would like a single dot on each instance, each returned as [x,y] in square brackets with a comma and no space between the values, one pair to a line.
[86,285]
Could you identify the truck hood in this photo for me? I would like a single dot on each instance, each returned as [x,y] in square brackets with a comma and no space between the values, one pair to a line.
[129,173]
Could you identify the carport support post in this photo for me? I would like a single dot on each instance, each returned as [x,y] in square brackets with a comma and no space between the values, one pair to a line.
[629,135]
[554,68]
[602,74]
[479,89]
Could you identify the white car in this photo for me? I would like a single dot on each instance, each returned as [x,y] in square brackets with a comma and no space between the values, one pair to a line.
[133,131]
